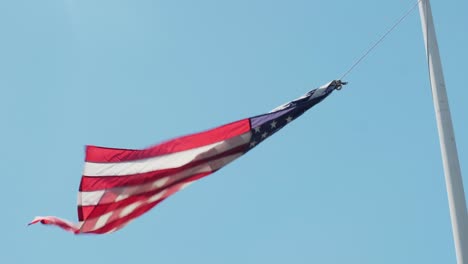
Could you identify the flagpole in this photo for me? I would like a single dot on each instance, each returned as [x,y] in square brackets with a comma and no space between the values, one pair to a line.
[453,178]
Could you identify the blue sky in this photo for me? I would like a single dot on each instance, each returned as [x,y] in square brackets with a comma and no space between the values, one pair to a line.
[358,179]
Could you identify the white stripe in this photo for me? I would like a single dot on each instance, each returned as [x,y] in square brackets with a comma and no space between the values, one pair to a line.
[159,183]
[119,198]
[102,220]
[90,198]
[185,185]
[130,208]
[168,161]
[320,91]
[157,196]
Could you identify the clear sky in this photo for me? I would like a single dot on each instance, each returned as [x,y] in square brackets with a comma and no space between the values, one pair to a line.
[357,179]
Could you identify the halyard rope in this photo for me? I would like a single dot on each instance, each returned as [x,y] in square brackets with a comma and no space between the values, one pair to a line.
[380,40]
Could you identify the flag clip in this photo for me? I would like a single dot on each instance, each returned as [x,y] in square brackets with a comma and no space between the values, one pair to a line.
[339,84]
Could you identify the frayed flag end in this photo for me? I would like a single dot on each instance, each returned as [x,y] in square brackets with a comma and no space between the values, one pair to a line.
[52,220]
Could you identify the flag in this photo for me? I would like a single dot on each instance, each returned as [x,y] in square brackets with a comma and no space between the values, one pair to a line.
[118,185]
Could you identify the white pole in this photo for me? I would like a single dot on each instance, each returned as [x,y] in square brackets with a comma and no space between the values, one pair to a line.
[453,178]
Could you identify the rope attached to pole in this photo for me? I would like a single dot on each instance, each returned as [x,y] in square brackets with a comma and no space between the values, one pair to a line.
[380,40]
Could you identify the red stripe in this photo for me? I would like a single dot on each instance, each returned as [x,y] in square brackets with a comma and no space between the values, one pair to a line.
[119,222]
[107,182]
[102,154]
[94,211]
[84,212]
[110,196]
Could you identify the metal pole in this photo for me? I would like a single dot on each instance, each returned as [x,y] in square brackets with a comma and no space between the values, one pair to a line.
[453,178]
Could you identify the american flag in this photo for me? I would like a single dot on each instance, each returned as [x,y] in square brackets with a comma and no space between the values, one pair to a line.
[118,185]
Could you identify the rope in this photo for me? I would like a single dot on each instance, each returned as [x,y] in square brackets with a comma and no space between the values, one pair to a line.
[380,40]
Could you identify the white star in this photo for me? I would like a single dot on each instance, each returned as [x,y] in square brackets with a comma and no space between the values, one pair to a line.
[253,143]
[257,129]
[264,135]
[289,119]
[273,124]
